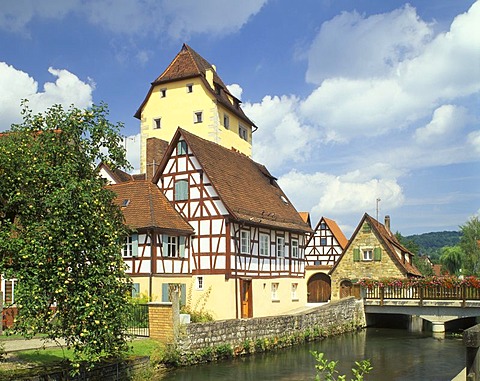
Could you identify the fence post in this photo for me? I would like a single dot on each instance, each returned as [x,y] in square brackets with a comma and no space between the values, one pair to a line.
[471,340]
[382,290]
[420,294]
[464,295]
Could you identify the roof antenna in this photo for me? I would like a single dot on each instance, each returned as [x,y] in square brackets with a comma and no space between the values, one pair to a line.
[378,202]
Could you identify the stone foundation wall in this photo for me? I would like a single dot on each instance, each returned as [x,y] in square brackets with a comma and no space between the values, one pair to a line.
[336,317]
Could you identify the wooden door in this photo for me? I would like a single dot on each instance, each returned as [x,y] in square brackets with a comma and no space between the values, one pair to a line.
[246,298]
[319,288]
[346,289]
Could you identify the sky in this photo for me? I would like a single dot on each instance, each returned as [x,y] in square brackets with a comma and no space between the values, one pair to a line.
[355,100]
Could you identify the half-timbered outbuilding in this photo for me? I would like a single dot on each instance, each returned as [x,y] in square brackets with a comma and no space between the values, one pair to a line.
[158,246]
[374,252]
[324,248]
[248,247]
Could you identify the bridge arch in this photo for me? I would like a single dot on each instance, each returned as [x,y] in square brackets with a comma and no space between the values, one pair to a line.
[319,288]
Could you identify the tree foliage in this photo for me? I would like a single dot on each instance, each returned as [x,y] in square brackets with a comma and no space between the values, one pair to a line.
[60,232]
[470,245]
[451,259]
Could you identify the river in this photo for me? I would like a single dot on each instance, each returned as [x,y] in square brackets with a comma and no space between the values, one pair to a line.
[395,355]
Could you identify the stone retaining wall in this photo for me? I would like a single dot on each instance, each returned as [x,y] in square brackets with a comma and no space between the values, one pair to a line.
[336,317]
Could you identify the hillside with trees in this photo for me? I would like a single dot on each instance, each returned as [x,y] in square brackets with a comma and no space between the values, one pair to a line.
[430,244]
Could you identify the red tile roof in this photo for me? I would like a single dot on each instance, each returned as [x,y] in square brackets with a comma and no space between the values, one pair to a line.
[189,64]
[147,207]
[390,244]
[248,191]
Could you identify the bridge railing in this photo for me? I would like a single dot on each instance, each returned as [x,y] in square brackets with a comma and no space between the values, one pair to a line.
[462,292]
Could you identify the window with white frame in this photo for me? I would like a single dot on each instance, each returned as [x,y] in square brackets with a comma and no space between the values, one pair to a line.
[294,291]
[198,117]
[199,283]
[181,190]
[8,286]
[245,242]
[367,254]
[280,247]
[189,87]
[157,123]
[274,291]
[226,121]
[172,246]
[163,93]
[294,248]
[264,244]
[242,131]
[130,246]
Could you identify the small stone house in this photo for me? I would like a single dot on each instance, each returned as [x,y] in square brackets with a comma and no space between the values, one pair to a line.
[372,252]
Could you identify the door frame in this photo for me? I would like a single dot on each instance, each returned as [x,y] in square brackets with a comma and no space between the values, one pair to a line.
[246,298]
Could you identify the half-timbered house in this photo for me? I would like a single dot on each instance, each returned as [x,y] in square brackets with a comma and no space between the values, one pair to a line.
[374,252]
[247,251]
[324,248]
[158,245]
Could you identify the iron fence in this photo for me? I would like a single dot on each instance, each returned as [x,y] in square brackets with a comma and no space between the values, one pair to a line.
[138,320]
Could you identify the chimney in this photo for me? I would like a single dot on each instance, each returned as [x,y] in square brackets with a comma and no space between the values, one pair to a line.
[155,150]
[387,223]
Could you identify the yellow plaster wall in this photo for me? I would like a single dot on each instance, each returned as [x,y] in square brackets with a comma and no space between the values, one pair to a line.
[177,109]
[218,294]
[348,269]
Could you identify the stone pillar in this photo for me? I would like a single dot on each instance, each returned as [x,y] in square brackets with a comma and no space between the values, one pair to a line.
[438,327]
[415,324]
[471,340]
[161,322]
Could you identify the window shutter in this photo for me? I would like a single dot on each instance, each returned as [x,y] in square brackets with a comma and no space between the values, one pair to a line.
[183,294]
[165,296]
[377,254]
[181,247]
[356,255]
[164,245]
[135,245]
[181,190]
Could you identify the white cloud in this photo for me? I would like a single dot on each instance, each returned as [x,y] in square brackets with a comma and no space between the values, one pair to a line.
[447,120]
[409,85]
[16,85]
[282,136]
[236,90]
[179,19]
[325,194]
[350,45]
[132,146]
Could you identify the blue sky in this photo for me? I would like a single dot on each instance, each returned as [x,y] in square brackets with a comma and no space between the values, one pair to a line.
[354,100]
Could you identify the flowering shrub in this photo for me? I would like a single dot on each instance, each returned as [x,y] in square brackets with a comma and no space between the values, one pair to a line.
[427,282]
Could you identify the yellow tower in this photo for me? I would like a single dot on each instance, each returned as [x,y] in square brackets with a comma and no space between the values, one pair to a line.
[191,95]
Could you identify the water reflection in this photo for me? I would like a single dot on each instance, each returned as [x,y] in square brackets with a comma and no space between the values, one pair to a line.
[395,355]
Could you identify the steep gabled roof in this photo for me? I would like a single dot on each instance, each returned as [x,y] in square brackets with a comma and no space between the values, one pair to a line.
[336,231]
[306,218]
[248,191]
[145,206]
[189,64]
[389,242]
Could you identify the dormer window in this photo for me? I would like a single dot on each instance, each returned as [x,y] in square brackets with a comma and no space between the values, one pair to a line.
[190,88]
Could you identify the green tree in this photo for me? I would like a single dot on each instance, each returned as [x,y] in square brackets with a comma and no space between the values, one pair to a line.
[451,259]
[60,232]
[470,245]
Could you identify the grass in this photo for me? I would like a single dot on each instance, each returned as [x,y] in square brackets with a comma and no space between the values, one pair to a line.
[50,357]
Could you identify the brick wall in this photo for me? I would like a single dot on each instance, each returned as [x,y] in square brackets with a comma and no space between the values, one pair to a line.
[161,321]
